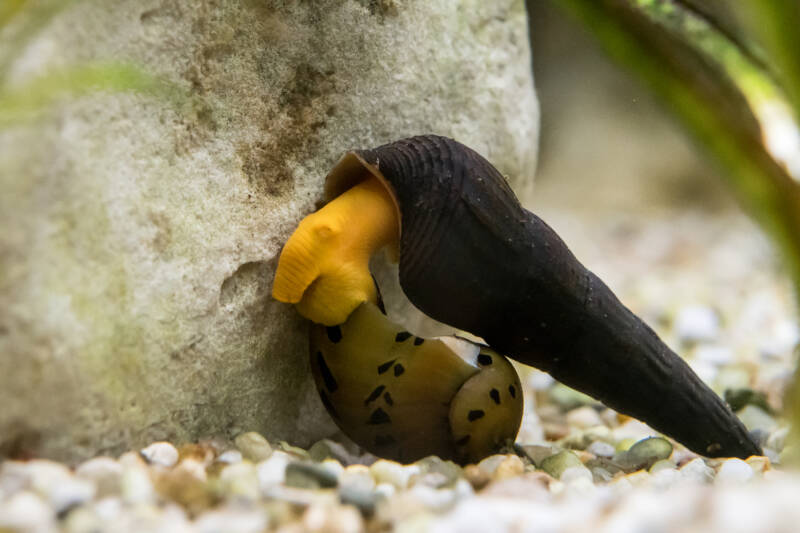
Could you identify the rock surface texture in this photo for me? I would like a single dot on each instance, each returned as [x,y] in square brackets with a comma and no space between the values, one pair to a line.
[140,237]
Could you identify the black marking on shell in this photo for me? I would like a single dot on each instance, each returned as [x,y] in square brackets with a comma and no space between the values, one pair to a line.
[463,440]
[334,333]
[475,414]
[374,395]
[384,440]
[402,336]
[398,370]
[418,341]
[484,359]
[388,398]
[512,391]
[328,405]
[383,367]
[379,416]
[327,375]
[494,394]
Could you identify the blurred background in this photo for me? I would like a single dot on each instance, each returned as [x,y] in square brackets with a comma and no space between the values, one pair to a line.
[642,205]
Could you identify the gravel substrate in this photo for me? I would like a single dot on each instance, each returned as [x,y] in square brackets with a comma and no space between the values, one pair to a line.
[711,289]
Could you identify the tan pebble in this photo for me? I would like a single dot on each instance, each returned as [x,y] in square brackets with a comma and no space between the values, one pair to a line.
[638,478]
[511,466]
[131,459]
[200,453]
[186,485]
[476,476]
[584,418]
[555,431]
[400,476]
[253,446]
[240,480]
[357,477]
[584,456]
[325,519]
[298,452]
[490,464]
[759,463]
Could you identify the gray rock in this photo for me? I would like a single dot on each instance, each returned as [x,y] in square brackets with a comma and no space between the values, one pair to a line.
[309,476]
[140,232]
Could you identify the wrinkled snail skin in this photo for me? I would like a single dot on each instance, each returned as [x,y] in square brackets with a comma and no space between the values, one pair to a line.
[473,258]
[403,397]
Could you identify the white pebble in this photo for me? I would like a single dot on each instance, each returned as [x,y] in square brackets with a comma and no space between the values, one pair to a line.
[230,456]
[240,480]
[69,493]
[714,354]
[104,472]
[232,521]
[434,499]
[161,454]
[358,478]
[601,449]
[272,471]
[136,486]
[108,509]
[697,324]
[734,471]
[25,512]
[696,471]
[386,490]
[391,472]
[584,418]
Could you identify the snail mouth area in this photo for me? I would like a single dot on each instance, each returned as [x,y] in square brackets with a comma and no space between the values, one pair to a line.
[324,266]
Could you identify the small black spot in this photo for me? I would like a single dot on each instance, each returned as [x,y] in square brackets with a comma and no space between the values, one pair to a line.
[494,394]
[463,440]
[402,336]
[475,414]
[385,366]
[418,341]
[379,416]
[398,370]
[512,391]
[374,395]
[328,405]
[327,375]
[388,398]
[334,333]
[484,359]
[384,440]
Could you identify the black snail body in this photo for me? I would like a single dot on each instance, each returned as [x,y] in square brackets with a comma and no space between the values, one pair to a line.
[472,257]
[403,397]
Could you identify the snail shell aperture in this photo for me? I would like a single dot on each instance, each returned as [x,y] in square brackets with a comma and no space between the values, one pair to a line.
[472,257]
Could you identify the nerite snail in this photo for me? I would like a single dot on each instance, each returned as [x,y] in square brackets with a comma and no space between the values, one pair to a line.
[470,256]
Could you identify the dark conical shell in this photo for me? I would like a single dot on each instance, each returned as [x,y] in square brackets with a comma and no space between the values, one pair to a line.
[471,256]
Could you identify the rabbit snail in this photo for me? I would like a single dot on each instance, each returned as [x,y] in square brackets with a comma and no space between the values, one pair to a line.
[472,257]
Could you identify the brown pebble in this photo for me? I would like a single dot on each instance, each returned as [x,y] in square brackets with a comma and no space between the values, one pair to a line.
[476,476]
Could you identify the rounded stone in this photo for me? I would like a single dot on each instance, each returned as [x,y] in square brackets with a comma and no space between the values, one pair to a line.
[161,454]
[253,446]
[557,464]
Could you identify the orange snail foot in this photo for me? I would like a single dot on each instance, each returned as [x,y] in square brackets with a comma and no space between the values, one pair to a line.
[324,266]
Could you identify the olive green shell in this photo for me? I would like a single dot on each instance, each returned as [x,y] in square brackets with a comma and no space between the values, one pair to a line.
[403,397]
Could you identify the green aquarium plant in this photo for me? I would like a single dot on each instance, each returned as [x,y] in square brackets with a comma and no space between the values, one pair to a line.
[729,72]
